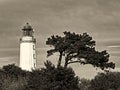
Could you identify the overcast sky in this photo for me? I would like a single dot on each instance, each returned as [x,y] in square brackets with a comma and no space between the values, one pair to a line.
[99,18]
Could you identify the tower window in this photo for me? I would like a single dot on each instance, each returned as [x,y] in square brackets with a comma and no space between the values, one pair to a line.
[33,47]
[27,33]
[34,56]
[34,65]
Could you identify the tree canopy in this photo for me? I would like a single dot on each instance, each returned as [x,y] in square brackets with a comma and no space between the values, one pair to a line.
[78,48]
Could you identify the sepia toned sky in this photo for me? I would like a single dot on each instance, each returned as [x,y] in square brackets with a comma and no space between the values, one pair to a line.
[99,18]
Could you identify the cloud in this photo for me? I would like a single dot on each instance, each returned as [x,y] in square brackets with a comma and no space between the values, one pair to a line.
[114,46]
[9,60]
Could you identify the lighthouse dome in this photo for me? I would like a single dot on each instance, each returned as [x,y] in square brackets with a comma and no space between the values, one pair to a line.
[27,27]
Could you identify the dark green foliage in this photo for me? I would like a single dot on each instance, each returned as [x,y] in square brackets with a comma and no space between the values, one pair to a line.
[14,71]
[84,84]
[51,78]
[106,81]
[13,84]
[48,78]
[2,77]
[78,48]
[13,78]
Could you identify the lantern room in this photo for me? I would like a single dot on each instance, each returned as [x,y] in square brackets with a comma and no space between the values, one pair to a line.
[27,30]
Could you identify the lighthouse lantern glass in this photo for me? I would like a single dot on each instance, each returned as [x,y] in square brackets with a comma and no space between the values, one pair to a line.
[27,30]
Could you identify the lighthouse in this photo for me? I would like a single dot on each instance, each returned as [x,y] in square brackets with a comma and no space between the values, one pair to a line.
[27,49]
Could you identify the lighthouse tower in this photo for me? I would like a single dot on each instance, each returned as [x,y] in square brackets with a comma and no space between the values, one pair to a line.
[27,49]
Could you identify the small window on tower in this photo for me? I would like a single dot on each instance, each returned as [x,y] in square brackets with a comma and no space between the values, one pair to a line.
[34,65]
[34,56]
[33,47]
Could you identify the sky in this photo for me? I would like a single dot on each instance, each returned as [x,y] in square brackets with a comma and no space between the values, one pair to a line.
[99,18]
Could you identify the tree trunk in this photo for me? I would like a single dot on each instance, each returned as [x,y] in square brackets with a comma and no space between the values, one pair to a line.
[60,59]
[66,60]
[66,63]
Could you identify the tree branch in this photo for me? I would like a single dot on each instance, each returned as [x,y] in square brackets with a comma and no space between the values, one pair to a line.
[76,62]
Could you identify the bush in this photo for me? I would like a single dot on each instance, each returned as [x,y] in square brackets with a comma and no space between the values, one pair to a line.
[13,78]
[51,78]
[106,81]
